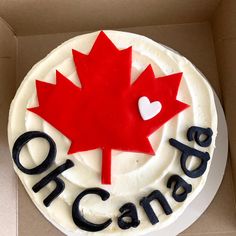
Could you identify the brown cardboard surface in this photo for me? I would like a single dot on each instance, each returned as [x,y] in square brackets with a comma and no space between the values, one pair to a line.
[36,17]
[225,43]
[211,49]
[224,19]
[226,51]
[214,234]
[7,90]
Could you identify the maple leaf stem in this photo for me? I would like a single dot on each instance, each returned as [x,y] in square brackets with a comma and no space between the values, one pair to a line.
[106,166]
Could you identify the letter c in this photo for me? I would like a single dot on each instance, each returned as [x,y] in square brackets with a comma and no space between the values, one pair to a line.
[79,220]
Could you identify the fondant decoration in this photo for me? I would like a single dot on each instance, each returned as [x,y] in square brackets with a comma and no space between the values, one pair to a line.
[179,184]
[104,112]
[147,109]
[195,133]
[129,215]
[22,141]
[78,217]
[128,211]
[146,204]
[187,152]
[45,165]
[53,176]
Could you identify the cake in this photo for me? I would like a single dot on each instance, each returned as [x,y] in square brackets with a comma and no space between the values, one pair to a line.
[113,133]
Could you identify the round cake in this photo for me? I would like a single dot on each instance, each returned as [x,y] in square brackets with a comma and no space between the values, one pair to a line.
[112,134]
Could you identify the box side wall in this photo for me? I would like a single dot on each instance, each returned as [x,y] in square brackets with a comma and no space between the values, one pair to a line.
[8,201]
[225,43]
[40,17]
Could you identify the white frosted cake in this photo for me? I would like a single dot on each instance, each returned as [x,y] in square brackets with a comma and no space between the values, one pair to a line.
[113,134]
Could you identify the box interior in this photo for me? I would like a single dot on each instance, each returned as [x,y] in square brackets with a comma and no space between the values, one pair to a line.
[202,31]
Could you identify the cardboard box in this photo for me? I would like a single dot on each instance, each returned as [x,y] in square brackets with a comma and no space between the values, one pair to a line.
[202,30]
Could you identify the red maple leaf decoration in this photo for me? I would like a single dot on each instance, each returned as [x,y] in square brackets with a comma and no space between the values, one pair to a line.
[104,113]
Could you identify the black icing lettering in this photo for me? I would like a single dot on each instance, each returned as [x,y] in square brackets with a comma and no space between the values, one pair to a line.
[52,176]
[195,133]
[78,218]
[186,153]
[145,203]
[128,211]
[178,184]
[24,139]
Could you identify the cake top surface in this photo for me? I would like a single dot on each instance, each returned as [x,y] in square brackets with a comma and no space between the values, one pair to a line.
[112,102]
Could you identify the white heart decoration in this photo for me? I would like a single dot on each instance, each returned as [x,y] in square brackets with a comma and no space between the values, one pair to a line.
[148,109]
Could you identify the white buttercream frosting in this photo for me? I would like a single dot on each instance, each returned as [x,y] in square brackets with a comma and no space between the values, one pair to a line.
[134,175]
